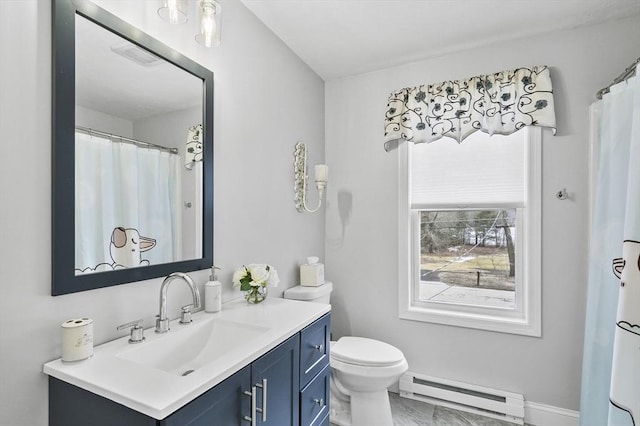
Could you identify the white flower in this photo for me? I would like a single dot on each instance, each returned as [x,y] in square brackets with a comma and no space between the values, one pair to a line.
[255,275]
[273,279]
[259,274]
[239,274]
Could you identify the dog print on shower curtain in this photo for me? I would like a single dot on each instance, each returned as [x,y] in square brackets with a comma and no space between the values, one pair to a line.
[125,248]
[625,374]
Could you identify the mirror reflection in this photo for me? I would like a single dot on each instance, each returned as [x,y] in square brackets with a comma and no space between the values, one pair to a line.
[138,155]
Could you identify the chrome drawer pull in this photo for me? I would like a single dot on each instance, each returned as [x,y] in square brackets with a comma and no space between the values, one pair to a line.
[252,394]
[263,410]
[319,401]
[319,347]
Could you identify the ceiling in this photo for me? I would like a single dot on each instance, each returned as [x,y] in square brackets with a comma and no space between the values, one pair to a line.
[338,38]
[116,85]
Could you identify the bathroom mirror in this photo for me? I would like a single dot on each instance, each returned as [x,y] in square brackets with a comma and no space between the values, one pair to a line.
[132,154]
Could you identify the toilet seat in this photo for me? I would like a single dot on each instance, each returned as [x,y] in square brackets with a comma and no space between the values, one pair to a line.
[365,352]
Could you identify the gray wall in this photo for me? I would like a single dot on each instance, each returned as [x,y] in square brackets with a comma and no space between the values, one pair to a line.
[266,99]
[98,120]
[361,240]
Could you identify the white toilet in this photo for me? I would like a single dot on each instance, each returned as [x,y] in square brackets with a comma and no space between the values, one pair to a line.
[361,371]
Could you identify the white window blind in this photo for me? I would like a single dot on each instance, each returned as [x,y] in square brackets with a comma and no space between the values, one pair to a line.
[487,172]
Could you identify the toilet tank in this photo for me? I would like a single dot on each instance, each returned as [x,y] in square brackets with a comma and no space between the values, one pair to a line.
[319,294]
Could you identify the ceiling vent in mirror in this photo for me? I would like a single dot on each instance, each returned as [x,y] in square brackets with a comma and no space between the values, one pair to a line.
[137,54]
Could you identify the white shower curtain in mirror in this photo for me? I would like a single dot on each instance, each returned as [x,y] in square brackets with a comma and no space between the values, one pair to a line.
[130,188]
[611,362]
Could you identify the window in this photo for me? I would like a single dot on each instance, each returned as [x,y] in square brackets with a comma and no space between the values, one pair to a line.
[469,232]
[467,257]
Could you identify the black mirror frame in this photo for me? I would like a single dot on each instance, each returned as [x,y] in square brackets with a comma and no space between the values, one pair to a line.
[64,280]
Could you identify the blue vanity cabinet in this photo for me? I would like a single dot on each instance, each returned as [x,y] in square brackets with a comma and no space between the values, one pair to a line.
[275,377]
[278,371]
[296,374]
[70,405]
[315,372]
[225,404]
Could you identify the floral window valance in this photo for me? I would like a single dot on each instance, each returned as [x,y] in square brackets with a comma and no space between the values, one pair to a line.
[193,151]
[501,103]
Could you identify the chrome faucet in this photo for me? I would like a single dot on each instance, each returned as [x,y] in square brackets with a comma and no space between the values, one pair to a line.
[162,322]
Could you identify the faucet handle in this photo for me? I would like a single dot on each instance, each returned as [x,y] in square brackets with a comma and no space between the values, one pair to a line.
[185,316]
[137,332]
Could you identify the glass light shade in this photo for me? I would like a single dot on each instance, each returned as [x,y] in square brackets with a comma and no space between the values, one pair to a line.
[210,11]
[322,172]
[174,11]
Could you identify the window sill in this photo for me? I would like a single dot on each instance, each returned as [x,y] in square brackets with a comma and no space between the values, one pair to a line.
[474,317]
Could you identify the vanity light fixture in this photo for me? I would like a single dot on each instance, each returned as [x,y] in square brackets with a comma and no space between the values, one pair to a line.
[174,11]
[300,176]
[209,11]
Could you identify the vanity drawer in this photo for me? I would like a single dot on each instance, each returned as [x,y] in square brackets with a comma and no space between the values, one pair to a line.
[314,400]
[314,349]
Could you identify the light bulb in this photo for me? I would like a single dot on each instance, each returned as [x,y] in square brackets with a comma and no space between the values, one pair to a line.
[209,35]
[173,11]
[208,26]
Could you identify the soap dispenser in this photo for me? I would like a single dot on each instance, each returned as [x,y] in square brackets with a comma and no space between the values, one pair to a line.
[213,293]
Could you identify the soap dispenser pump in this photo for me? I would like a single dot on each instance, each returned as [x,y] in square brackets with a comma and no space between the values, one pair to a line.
[213,293]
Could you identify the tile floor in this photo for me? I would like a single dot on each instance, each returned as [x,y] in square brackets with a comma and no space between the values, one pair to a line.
[408,412]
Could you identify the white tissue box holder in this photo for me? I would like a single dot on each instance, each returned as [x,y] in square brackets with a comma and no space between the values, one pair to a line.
[312,275]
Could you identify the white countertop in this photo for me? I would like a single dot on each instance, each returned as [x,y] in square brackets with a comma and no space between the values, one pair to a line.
[157,393]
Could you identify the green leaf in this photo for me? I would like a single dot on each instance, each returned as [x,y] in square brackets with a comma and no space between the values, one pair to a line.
[245,284]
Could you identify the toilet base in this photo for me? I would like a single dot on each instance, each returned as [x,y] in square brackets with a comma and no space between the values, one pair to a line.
[340,413]
[340,418]
[371,408]
[363,409]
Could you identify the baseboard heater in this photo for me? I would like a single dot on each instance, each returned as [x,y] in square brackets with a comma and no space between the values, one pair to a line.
[507,406]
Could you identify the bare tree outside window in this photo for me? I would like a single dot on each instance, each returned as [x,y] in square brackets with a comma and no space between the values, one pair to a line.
[472,249]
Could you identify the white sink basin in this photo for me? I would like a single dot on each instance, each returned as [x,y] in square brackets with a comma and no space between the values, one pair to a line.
[185,348]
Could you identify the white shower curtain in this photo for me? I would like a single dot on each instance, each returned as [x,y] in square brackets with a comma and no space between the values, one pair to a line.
[611,362]
[127,186]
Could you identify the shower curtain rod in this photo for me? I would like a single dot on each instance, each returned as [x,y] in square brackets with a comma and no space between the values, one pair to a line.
[127,140]
[627,73]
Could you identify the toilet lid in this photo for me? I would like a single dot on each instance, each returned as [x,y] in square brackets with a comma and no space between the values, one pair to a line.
[365,352]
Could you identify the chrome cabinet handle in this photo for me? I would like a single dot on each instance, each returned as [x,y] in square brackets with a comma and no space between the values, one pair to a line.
[319,401]
[319,347]
[263,410]
[252,394]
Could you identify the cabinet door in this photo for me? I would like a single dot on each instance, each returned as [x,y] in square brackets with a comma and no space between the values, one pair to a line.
[279,370]
[224,405]
[314,400]
[314,349]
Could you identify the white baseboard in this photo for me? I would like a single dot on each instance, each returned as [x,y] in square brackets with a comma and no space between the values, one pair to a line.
[547,415]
